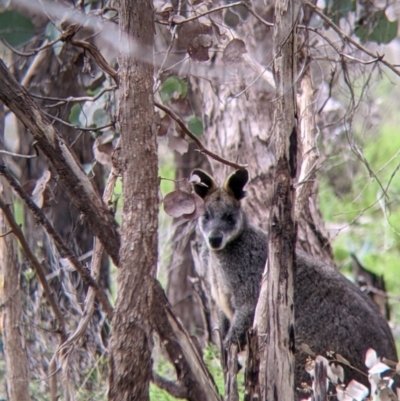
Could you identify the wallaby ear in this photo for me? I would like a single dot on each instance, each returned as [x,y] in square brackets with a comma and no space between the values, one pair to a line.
[207,184]
[235,183]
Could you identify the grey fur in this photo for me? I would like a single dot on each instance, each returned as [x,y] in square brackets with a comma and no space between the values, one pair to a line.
[331,313]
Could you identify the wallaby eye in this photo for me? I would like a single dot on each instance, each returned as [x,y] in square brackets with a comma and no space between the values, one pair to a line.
[229,218]
[206,216]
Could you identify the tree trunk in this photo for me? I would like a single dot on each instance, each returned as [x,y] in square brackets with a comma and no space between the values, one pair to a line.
[130,350]
[274,318]
[17,377]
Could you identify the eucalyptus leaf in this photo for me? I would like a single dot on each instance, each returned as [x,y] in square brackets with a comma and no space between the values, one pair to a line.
[15,28]
[100,118]
[377,29]
[74,114]
[195,126]
[173,87]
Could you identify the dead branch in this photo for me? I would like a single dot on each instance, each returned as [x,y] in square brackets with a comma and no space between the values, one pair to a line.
[349,39]
[220,8]
[193,137]
[191,370]
[77,127]
[65,252]
[98,249]
[79,187]
[231,389]
[38,269]
[33,51]
[71,99]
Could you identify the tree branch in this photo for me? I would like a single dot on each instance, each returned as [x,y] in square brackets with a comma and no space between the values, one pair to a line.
[65,252]
[193,137]
[79,187]
[349,39]
[49,293]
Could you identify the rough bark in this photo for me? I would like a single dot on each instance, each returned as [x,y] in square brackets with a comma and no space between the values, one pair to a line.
[130,349]
[17,375]
[80,188]
[274,318]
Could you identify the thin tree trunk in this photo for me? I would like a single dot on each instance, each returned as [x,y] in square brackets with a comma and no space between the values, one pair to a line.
[274,318]
[130,350]
[17,375]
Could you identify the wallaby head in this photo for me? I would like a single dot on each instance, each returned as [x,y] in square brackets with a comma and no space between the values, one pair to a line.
[223,219]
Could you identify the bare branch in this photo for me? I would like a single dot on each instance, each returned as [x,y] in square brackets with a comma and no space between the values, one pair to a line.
[6,152]
[72,99]
[78,127]
[33,51]
[213,10]
[65,252]
[98,249]
[349,39]
[49,293]
[80,189]
[193,137]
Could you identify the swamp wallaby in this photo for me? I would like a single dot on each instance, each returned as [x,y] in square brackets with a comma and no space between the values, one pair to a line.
[331,313]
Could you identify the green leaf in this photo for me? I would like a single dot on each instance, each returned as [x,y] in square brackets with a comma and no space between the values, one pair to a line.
[100,118]
[15,28]
[173,87]
[74,114]
[385,31]
[340,8]
[377,29]
[195,126]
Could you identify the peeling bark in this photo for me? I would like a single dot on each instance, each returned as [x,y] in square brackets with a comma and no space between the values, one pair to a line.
[274,318]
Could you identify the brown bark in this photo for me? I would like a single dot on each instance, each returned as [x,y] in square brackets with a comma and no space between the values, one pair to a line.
[130,350]
[17,375]
[80,188]
[274,318]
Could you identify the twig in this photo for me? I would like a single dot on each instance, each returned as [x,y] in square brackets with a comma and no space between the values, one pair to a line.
[65,252]
[49,293]
[349,39]
[111,124]
[72,99]
[213,10]
[6,152]
[32,52]
[98,249]
[193,137]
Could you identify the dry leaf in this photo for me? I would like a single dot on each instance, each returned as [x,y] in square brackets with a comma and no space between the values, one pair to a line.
[198,48]
[103,148]
[181,145]
[199,208]
[39,195]
[178,203]
[233,52]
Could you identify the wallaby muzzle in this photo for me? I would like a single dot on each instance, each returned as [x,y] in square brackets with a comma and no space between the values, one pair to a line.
[215,240]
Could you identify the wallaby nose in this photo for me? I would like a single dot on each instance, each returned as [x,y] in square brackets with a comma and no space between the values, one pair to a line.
[215,240]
